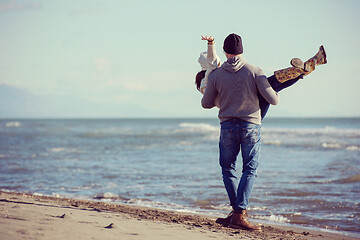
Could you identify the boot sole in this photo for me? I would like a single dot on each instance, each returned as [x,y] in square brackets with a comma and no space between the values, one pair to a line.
[243,228]
[222,222]
[296,62]
[322,49]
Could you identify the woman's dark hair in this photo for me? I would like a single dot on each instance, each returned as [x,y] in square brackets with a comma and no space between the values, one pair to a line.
[199,76]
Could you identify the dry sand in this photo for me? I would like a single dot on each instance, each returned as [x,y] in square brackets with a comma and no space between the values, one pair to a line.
[25,216]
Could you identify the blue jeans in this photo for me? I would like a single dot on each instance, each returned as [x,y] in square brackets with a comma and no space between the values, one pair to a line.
[239,135]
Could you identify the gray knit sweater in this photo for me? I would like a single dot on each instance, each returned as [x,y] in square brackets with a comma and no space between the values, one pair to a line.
[237,83]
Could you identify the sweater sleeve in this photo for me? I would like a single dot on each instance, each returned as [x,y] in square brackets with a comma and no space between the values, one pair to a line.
[212,58]
[211,53]
[265,89]
[212,63]
[208,100]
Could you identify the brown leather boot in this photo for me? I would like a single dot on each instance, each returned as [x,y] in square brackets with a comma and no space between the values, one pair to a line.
[309,65]
[225,221]
[239,221]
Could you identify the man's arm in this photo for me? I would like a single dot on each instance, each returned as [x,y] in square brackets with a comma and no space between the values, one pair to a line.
[208,100]
[266,90]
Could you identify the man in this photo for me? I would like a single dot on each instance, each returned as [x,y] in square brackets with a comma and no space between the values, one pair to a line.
[237,83]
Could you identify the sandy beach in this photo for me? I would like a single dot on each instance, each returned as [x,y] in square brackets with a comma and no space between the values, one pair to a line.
[25,216]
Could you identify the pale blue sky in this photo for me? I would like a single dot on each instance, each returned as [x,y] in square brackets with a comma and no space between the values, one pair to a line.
[139,58]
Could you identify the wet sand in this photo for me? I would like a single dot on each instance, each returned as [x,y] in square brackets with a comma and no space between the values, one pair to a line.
[25,216]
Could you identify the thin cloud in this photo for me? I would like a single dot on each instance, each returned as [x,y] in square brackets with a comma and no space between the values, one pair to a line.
[135,86]
[102,65]
[87,9]
[15,5]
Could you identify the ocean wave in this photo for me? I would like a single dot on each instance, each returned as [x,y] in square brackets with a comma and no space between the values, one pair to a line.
[353,148]
[272,142]
[335,145]
[198,127]
[314,131]
[161,205]
[216,211]
[62,149]
[152,131]
[204,204]
[222,208]
[273,218]
[39,194]
[327,138]
[107,196]
[331,145]
[57,149]
[13,124]
[257,208]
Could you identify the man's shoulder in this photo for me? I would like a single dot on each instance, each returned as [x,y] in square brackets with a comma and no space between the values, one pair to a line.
[253,69]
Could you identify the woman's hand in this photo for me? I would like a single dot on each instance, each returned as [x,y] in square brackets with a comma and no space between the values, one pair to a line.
[208,38]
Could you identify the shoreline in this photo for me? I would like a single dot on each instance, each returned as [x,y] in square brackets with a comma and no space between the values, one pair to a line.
[45,217]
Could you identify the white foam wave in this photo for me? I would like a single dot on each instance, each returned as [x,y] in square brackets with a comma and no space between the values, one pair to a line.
[61,149]
[57,149]
[38,194]
[198,127]
[107,195]
[272,142]
[161,205]
[6,190]
[316,131]
[331,145]
[222,208]
[325,138]
[274,218]
[57,195]
[216,210]
[353,148]
[13,124]
[257,208]
[185,143]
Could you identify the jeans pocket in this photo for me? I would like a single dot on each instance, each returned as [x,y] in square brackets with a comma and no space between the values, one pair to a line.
[226,137]
[251,135]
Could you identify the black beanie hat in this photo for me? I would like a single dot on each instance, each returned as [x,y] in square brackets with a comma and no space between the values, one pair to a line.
[233,44]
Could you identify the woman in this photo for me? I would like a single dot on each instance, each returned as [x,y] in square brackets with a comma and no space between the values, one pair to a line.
[281,79]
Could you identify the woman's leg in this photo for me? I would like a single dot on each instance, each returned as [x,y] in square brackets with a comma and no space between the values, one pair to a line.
[277,86]
[264,105]
[284,78]
[290,73]
[318,59]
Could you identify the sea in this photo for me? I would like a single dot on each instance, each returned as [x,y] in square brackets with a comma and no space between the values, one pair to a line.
[309,172]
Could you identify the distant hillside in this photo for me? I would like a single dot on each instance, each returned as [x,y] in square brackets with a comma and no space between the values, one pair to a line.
[20,103]
[17,102]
